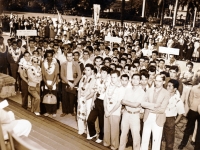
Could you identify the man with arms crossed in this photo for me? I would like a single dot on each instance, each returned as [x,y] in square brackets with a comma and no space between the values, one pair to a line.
[155,103]
[131,116]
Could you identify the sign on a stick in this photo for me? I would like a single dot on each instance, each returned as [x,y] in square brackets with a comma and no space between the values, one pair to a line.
[113,39]
[26,32]
[166,50]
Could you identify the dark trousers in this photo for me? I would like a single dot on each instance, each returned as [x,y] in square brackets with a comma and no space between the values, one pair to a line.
[197,140]
[169,132]
[67,100]
[24,88]
[3,69]
[192,117]
[98,111]
[15,75]
[59,94]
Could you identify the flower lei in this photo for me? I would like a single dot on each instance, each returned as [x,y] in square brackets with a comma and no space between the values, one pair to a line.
[36,71]
[50,69]
[15,53]
[24,64]
[84,84]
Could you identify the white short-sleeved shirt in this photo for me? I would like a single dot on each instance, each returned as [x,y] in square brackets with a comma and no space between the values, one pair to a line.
[136,95]
[175,106]
[117,96]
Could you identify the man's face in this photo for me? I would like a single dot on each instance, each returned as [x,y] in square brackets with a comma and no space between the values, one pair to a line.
[115,52]
[141,62]
[96,53]
[173,74]
[112,67]
[31,44]
[45,44]
[98,62]
[27,57]
[135,80]
[103,74]
[55,49]
[133,54]
[124,81]
[69,57]
[106,63]
[51,44]
[49,57]
[159,81]
[88,71]
[170,87]
[143,80]
[106,51]
[161,64]
[152,75]
[76,57]
[14,46]
[126,69]
[101,47]
[154,56]
[19,43]
[133,70]
[189,68]
[171,58]
[114,78]
[122,50]
[86,55]
[123,63]
[9,42]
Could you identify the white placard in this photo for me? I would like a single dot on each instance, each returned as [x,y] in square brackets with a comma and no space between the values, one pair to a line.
[166,50]
[26,32]
[113,39]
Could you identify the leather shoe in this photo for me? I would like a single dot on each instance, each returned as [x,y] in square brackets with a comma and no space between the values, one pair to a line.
[62,115]
[181,147]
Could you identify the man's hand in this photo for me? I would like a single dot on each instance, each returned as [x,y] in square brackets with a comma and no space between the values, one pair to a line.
[107,114]
[72,85]
[92,106]
[50,87]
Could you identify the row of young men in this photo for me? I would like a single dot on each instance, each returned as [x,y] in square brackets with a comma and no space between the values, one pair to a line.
[158,105]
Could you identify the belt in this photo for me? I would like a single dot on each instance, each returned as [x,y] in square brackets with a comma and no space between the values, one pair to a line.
[130,112]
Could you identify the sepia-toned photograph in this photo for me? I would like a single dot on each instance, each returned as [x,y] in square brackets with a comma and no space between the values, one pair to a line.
[99,74]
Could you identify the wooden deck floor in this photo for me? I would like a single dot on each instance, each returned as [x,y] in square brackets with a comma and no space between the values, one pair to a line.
[52,134]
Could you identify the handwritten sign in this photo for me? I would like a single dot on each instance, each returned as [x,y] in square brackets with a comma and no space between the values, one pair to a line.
[166,50]
[113,39]
[26,32]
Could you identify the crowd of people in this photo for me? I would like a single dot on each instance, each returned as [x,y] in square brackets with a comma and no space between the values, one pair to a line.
[125,86]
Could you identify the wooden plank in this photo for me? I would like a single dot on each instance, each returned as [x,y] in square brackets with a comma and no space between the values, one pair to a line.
[50,125]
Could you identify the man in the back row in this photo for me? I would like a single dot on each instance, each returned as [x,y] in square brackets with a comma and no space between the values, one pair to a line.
[8,122]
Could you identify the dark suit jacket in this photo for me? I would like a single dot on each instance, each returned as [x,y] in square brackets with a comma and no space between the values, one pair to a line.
[76,71]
